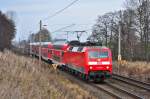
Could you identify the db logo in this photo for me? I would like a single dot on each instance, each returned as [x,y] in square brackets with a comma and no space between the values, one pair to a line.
[99,60]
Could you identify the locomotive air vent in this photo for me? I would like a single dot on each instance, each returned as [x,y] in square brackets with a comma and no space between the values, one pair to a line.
[80,49]
[88,43]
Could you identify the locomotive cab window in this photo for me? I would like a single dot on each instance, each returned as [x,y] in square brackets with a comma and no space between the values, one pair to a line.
[98,54]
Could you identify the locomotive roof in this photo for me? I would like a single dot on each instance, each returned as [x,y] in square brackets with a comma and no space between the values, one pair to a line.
[92,47]
[83,48]
[38,43]
[88,43]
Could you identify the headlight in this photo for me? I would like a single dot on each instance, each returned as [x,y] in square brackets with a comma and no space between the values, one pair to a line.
[107,67]
[105,63]
[91,67]
[92,63]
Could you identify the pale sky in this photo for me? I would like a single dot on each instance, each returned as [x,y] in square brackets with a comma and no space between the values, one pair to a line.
[83,13]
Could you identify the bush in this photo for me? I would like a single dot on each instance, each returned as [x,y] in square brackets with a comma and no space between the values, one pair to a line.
[22,78]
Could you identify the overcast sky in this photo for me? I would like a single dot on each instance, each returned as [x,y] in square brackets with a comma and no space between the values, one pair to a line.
[83,13]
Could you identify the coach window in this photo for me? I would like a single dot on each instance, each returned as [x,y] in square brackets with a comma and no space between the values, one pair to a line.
[45,46]
[50,51]
[62,54]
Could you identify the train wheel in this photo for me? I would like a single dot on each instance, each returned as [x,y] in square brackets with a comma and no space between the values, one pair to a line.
[76,73]
[85,77]
[98,79]
[73,72]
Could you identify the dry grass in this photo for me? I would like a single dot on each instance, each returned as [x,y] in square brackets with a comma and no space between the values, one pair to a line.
[137,70]
[23,78]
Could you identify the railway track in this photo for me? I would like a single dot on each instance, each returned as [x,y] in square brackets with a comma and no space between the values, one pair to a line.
[117,92]
[98,89]
[109,89]
[121,92]
[88,86]
[103,88]
[133,82]
[138,88]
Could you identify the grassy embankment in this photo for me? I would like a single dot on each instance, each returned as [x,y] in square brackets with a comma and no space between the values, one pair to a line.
[23,78]
[138,70]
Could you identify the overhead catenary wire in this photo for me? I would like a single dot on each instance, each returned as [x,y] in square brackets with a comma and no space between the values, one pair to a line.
[58,12]
[79,24]
[63,28]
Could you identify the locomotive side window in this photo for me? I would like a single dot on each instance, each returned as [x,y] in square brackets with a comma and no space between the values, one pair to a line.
[45,46]
[70,49]
[97,54]
[50,51]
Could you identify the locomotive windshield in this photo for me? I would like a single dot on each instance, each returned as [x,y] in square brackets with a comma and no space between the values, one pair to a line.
[97,54]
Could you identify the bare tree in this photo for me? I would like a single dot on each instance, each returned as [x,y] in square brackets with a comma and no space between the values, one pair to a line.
[142,11]
[45,36]
[12,15]
[106,30]
[7,32]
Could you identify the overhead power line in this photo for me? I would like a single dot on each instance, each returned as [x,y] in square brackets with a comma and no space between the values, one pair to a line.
[63,28]
[56,13]
[79,24]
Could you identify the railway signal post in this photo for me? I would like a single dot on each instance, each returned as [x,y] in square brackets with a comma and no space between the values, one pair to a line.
[40,42]
[30,41]
[119,38]
[119,43]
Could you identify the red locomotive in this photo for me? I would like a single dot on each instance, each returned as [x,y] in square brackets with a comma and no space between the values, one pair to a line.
[87,60]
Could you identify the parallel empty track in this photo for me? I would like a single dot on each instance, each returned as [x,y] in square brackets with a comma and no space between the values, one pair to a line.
[117,92]
[138,88]
[133,82]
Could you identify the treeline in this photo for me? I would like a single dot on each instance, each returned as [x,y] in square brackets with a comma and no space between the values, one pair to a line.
[134,23]
[44,34]
[7,31]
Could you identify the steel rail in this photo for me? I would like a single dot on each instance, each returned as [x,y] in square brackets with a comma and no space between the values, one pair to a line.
[106,91]
[77,80]
[125,91]
[132,82]
[115,95]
